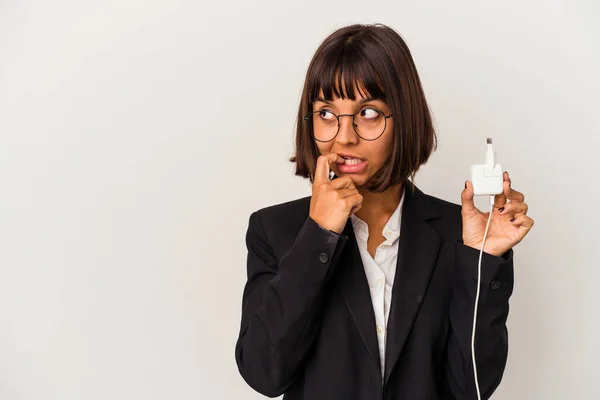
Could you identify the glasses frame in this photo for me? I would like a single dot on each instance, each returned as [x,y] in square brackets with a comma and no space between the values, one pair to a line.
[308,117]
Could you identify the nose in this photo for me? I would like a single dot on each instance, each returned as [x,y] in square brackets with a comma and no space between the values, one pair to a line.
[346,134]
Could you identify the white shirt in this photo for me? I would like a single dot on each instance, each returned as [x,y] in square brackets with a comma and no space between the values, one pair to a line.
[381,270]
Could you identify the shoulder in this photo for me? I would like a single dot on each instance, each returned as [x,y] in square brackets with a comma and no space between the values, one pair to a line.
[284,211]
[279,223]
[444,207]
[443,216]
[429,205]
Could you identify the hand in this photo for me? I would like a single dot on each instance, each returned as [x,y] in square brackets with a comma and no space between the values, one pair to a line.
[507,227]
[332,202]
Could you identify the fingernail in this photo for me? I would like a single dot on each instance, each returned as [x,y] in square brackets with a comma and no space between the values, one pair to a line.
[512,220]
[501,209]
[465,184]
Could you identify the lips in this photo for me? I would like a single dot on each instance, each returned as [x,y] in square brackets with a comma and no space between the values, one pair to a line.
[351,164]
[350,156]
[352,167]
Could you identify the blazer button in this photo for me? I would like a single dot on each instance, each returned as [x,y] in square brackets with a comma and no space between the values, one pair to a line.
[495,285]
[323,257]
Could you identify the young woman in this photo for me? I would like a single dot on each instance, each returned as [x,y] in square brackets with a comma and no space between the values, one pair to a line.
[366,289]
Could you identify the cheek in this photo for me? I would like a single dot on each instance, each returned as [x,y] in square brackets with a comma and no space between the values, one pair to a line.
[324,148]
[384,147]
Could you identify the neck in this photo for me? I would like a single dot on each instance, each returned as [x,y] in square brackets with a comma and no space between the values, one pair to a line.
[377,208]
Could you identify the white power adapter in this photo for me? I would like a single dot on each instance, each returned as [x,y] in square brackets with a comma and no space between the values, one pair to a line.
[487,179]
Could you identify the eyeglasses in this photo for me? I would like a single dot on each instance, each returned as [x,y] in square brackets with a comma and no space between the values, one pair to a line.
[369,123]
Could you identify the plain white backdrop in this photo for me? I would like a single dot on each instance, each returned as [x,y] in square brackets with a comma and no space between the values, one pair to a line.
[138,136]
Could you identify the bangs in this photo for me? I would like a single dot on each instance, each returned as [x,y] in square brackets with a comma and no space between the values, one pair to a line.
[342,74]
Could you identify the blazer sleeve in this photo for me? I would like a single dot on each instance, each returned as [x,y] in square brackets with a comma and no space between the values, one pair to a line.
[281,303]
[491,335]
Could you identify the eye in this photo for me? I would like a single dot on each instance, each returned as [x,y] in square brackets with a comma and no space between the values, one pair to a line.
[369,113]
[326,114]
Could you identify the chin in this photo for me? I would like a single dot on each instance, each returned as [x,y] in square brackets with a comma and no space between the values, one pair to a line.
[358,179]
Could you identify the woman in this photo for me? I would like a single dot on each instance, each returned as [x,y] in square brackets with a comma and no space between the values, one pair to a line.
[366,289]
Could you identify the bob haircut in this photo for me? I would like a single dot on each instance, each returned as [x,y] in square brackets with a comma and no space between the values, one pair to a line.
[375,58]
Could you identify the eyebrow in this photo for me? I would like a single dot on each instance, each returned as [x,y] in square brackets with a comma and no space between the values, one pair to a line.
[360,102]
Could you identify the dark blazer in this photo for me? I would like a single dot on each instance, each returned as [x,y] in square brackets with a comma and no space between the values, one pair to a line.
[308,326]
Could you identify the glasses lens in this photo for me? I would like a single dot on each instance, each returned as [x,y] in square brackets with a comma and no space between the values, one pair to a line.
[370,123]
[325,125]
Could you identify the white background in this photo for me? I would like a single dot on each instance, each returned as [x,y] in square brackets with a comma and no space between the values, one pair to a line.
[138,136]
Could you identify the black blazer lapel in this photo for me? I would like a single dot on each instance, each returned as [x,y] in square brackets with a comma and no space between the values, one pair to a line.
[417,253]
[355,289]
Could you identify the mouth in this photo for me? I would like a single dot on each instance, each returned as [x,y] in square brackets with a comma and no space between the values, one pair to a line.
[351,159]
[351,164]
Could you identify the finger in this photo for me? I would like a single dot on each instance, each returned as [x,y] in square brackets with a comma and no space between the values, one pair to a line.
[501,199]
[343,193]
[353,201]
[523,222]
[509,192]
[467,196]
[514,195]
[355,209]
[514,208]
[343,183]
[324,166]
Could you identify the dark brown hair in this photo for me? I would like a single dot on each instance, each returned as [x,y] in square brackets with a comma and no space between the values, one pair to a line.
[376,58]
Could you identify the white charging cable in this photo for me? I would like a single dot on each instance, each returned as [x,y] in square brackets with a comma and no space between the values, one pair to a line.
[477,298]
